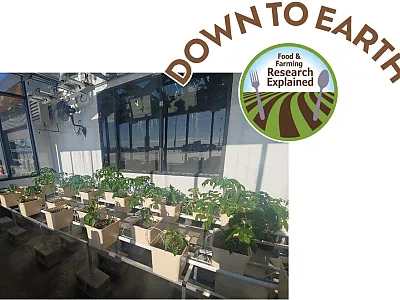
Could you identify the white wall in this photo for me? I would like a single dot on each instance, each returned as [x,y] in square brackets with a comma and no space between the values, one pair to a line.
[257,162]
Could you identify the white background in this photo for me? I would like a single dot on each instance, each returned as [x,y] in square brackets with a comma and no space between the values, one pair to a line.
[343,181]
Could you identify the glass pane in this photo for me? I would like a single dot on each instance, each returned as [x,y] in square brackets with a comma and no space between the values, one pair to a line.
[112,138]
[22,163]
[3,168]
[138,111]
[10,83]
[196,123]
[12,112]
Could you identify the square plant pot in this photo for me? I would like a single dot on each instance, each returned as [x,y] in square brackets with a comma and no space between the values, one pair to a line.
[166,264]
[68,192]
[57,202]
[222,259]
[147,202]
[146,236]
[40,196]
[9,200]
[48,189]
[57,219]
[170,210]
[87,195]
[30,208]
[101,209]
[108,196]
[103,238]
[121,204]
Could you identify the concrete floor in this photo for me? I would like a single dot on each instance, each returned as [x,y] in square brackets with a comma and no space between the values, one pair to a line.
[21,276]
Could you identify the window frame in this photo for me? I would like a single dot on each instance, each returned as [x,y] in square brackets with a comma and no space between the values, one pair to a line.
[5,148]
[162,131]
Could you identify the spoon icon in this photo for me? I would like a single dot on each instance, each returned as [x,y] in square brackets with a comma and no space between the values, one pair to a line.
[323,81]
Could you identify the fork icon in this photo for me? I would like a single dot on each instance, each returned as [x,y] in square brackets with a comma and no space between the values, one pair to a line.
[255,83]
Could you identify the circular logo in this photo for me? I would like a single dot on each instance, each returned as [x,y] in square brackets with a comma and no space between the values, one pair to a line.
[288,92]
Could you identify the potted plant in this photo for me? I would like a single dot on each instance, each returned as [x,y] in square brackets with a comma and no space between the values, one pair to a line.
[168,201]
[11,196]
[120,193]
[59,217]
[274,212]
[231,248]
[168,253]
[57,202]
[86,188]
[146,227]
[102,232]
[29,206]
[232,199]
[34,192]
[63,181]
[206,208]
[93,206]
[46,178]
[138,184]
[148,193]
[106,179]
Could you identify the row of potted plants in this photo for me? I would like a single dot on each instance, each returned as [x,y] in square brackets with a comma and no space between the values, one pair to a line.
[245,215]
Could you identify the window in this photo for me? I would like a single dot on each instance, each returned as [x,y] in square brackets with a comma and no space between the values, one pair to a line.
[17,154]
[186,135]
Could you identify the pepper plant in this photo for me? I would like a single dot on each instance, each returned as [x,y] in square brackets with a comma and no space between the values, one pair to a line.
[174,242]
[86,184]
[147,217]
[32,190]
[107,178]
[206,207]
[11,189]
[45,176]
[233,198]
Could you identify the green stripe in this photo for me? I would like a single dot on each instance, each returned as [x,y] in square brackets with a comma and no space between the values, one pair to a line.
[321,116]
[252,114]
[323,100]
[273,129]
[299,121]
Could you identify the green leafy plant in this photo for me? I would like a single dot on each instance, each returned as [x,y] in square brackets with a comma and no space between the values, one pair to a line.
[206,207]
[134,200]
[32,190]
[76,182]
[92,217]
[24,199]
[63,179]
[233,196]
[167,196]
[174,242]
[107,178]
[240,235]
[45,176]
[11,189]
[190,203]
[86,184]
[146,217]
[274,211]
[137,184]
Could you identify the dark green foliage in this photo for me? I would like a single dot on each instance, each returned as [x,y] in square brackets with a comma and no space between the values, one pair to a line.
[174,242]
[45,176]
[233,196]
[12,188]
[146,217]
[32,190]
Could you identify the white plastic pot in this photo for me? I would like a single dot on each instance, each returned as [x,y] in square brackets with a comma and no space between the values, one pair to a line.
[60,219]
[166,264]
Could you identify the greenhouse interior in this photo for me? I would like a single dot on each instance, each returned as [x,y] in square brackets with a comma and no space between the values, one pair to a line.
[128,185]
